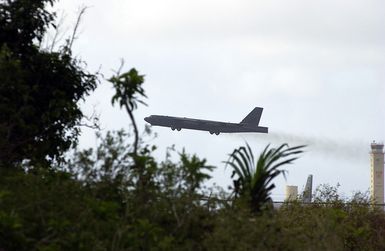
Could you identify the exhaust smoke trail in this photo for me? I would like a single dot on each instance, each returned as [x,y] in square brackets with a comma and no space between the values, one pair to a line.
[345,149]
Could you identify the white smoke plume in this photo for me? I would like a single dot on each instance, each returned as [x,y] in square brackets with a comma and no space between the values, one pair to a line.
[346,149]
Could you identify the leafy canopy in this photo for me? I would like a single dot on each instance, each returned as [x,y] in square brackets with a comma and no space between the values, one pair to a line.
[39,90]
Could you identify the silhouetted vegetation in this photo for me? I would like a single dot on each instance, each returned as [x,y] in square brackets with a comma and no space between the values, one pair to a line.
[117,196]
[39,89]
[254,180]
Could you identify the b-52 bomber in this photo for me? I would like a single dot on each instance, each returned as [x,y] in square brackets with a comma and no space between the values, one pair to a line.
[249,124]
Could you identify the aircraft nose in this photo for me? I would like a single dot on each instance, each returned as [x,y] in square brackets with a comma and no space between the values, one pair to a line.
[147,119]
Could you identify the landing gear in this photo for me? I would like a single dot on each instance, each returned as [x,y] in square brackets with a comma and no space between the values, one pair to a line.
[216,133]
[178,129]
[172,128]
[211,132]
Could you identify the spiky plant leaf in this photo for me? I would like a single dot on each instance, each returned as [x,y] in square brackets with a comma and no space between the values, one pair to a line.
[253,180]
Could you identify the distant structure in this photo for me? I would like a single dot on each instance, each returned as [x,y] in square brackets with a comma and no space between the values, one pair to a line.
[307,193]
[377,172]
[291,193]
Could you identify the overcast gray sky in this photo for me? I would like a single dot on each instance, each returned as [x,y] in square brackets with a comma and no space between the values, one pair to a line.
[317,67]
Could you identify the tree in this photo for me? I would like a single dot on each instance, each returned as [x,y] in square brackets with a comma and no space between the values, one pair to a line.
[253,180]
[39,90]
[128,87]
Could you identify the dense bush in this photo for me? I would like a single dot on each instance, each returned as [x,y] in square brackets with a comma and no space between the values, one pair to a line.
[102,206]
[39,89]
[327,224]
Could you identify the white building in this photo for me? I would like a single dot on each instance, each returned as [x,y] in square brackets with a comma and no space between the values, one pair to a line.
[291,193]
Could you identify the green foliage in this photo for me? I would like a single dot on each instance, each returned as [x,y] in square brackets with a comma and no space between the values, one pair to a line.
[129,90]
[128,87]
[109,161]
[295,226]
[39,90]
[253,180]
[23,23]
[105,209]
[51,211]
[161,205]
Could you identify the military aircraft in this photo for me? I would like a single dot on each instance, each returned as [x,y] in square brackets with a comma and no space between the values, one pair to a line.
[249,124]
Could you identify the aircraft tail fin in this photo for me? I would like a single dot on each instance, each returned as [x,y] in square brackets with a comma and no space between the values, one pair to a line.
[253,117]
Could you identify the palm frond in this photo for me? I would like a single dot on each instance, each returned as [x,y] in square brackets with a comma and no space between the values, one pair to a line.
[255,179]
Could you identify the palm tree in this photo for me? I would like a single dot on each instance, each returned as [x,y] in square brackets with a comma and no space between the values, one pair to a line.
[253,180]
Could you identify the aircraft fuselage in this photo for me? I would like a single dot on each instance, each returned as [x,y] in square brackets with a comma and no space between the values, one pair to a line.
[214,127]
